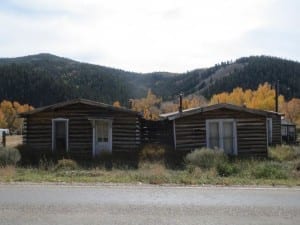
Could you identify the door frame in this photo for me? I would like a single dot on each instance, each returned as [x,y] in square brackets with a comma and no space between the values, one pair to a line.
[53,132]
[269,121]
[221,135]
[93,121]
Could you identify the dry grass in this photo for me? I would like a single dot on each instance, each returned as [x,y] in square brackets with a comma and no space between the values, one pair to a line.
[279,170]
[284,153]
[7,172]
[152,153]
[153,173]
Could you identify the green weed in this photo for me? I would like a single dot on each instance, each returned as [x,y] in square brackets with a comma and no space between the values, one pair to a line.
[205,158]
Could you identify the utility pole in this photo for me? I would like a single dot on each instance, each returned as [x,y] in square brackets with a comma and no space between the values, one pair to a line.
[180,103]
[276,95]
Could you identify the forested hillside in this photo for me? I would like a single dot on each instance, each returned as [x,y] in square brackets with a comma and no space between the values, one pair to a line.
[45,79]
[258,70]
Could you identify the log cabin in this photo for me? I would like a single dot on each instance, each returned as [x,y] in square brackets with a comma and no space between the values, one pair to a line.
[234,129]
[82,128]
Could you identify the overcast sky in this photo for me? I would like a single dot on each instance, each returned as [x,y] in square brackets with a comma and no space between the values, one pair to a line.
[152,35]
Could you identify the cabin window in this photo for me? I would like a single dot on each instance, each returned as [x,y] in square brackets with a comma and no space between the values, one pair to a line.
[214,135]
[291,129]
[60,133]
[102,131]
[269,130]
[221,134]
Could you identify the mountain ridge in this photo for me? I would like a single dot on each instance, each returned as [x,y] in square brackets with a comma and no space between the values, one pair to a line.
[25,78]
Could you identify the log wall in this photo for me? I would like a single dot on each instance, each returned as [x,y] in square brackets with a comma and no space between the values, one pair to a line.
[251,131]
[157,132]
[126,129]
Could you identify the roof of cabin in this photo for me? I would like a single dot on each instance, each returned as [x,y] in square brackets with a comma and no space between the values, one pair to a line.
[77,101]
[193,111]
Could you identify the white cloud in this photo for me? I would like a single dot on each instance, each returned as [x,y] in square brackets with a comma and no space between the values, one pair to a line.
[172,35]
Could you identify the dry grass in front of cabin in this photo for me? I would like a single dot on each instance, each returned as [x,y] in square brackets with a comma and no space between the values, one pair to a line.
[281,168]
[7,173]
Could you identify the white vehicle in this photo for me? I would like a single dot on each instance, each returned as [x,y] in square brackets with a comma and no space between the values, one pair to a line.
[5,130]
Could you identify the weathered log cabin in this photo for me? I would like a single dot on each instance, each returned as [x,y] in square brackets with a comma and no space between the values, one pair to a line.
[237,130]
[82,128]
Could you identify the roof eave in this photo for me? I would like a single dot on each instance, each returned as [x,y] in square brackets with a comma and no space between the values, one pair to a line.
[219,106]
[76,101]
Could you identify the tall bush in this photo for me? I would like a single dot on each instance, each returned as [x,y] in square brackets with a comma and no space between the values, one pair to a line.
[152,152]
[9,156]
[284,153]
[205,158]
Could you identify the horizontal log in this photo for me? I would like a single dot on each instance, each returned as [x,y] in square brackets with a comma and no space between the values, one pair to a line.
[190,124]
[40,127]
[188,145]
[126,134]
[252,135]
[252,151]
[127,146]
[126,139]
[125,129]
[190,137]
[251,124]
[178,142]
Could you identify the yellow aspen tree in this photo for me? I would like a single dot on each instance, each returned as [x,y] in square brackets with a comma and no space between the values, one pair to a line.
[3,123]
[291,109]
[219,98]
[149,106]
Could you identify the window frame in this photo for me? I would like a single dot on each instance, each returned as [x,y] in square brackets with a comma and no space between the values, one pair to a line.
[221,133]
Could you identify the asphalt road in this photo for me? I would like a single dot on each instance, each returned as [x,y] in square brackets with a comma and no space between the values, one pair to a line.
[145,204]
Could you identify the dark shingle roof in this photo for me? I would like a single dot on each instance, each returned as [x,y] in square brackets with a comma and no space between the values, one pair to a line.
[192,111]
[76,101]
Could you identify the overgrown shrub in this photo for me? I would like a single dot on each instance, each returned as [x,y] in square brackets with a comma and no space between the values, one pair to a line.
[66,164]
[9,156]
[270,170]
[284,153]
[205,158]
[46,163]
[226,169]
[152,152]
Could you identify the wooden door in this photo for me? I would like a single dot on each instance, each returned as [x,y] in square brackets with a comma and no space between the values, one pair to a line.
[103,137]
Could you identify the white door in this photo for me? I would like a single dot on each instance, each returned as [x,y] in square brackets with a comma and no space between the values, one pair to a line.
[103,136]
